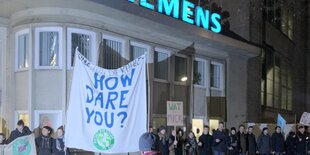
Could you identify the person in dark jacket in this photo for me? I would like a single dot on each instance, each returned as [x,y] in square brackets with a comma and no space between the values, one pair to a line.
[163,141]
[59,143]
[220,140]
[233,148]
[242,140]
[300,141]
[21,130]
[277,142]
[44,142]
[2,139]
[191,144]
[264,143]
[205,142]
[290,144]
[250,142]
[180,139]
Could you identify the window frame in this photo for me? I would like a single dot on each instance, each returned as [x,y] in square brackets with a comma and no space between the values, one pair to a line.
[139,44]
[166,51]
[37,114]
[37,46]
[17,34]
[221,76]
[18,112]
[93,52]
[187,69]
[206,70]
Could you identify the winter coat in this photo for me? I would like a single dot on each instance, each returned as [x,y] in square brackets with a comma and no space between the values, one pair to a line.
[191,146]
[59,150]
[16,134]
[290,145]
[251,144]
[207,141]
[44,145]
[163,144]
[179,149]
[172,147]
[222,145]
[277,143]
[264,144]
[242,142]
[233,143]
[301,143]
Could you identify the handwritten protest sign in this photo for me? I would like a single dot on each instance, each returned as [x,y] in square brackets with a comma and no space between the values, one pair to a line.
[174,113]
[107,108]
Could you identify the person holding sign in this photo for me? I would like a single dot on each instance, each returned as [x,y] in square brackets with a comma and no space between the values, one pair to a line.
[173,143]
[191,144]
[300,141]
[205,142]
[163,141]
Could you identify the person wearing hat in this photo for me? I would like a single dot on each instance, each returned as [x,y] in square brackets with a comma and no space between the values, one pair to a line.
[44,142]
[300,141]
[163,142]
[147,142]
[264,143]
[233,142]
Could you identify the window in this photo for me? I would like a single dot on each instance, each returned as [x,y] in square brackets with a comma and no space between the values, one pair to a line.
[180,71]
[215,73]
[22,115]
[22,49]
[161,64]
[52,118]
[199,72]
[137,49]
[82,40]
[48,45]
[111,53]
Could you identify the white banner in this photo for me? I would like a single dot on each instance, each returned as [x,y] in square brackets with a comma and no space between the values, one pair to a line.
[107,108]
[20,146]
[305,119]
[174,113]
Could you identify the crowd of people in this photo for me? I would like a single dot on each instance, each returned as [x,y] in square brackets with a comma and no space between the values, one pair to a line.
[239,141]
[45,143]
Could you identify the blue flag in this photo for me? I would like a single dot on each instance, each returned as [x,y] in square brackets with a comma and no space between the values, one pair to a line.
[281,122]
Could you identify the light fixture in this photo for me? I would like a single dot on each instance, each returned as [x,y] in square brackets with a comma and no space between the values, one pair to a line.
[184,78]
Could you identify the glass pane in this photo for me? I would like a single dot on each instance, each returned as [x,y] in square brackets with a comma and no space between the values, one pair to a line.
[199,73]
[49,49]
[277,101]
[269,86]
[289,100]
[215,75]
[23,48]
[262,98]
[269,100]
[161,65]
[289,78]
[111,58]
[24,117]
[180,69]
[82,43]
[283,98]
[277,74]
[136,51]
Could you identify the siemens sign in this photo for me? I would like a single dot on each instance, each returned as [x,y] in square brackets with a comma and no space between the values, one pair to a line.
[202,18]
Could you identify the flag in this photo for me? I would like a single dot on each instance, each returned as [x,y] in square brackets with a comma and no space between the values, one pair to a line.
[107,108]
[281,122]
[21,146]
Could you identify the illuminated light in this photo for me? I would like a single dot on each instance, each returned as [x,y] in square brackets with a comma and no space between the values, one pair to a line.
[169,7]
[186,11]
[184,78]
[146,4]
[216,19]
[202,17]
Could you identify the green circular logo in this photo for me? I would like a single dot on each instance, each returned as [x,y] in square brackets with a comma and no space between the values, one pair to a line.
[103,140]
[21,147]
